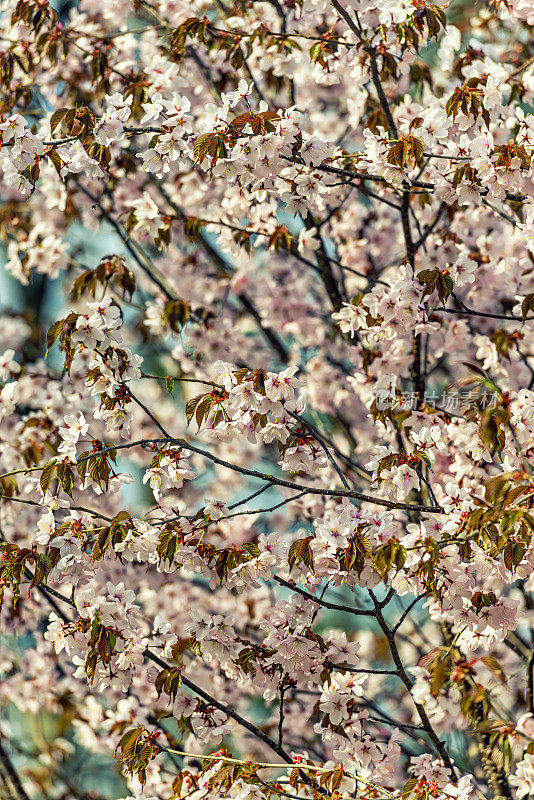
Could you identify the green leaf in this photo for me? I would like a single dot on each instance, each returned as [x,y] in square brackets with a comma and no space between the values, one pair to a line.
[527,305]
[408,788]
[191,405]
[56,118]
[66,478]
[52,334]
[493,665]
[47,474]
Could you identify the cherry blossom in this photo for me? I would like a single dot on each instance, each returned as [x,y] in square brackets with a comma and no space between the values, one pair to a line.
[267,398]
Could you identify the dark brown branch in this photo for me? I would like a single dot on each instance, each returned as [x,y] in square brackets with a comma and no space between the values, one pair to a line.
[403,675]
[280,481]
[12,774]
[359,612]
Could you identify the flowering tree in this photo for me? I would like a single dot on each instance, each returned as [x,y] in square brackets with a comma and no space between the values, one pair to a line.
[266,490]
